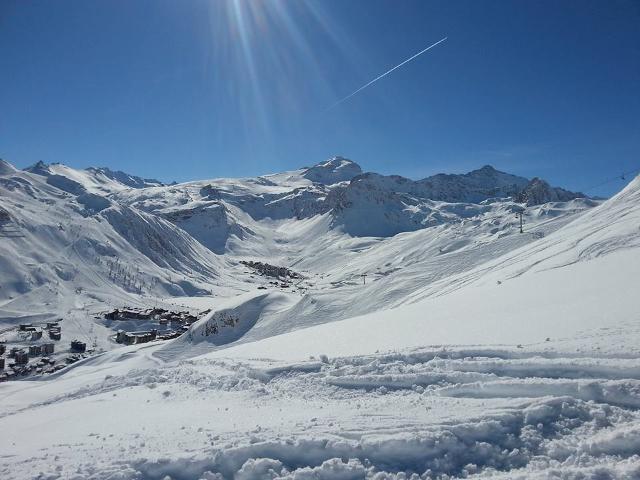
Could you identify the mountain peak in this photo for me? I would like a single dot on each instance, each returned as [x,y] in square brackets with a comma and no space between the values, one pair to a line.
[39,168]
[487,171]
[336,169]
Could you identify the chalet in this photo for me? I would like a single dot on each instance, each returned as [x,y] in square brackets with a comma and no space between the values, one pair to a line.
[51,325]
[129,339]
[35,350]
[120,336]
[36,335]
[21,357]
[47,348]
[55,334]
[78,346]
[27,327]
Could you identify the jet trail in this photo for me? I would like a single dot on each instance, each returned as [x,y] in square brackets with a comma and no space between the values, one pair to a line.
[385,74]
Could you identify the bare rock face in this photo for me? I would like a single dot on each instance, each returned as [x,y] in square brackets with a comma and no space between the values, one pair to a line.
[537,191]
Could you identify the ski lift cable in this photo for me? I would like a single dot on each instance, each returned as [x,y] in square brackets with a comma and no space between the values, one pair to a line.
[623,176]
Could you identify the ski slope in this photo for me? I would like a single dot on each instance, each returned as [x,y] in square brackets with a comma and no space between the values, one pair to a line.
[472,351]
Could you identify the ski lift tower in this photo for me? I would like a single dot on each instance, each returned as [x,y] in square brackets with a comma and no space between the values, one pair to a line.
[519,213]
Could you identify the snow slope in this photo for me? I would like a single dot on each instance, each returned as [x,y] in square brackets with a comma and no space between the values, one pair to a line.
[65,249]
[589,270]
[507,355]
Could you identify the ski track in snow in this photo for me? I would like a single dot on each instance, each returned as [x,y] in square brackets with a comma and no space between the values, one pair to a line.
[457,412]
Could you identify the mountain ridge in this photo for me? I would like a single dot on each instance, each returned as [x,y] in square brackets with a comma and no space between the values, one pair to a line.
[474,186]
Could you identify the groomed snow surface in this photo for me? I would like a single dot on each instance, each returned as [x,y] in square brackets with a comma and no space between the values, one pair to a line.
[473,351]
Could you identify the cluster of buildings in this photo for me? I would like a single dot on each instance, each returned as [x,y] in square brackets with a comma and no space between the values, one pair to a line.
[172,324]
[54,331]
[162,315]
[130,338]
[18,360]
[271,270]
[34,354]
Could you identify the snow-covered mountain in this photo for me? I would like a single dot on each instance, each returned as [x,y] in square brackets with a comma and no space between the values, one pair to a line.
[64,229]
[96,180]
[62,233]
[361,326]
[334,170]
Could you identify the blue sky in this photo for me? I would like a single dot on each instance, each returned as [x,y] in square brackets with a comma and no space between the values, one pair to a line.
[181,90]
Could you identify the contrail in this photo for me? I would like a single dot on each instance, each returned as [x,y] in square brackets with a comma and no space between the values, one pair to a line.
[384,74]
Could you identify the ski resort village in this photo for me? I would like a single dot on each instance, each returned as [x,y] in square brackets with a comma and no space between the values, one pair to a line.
[321,323]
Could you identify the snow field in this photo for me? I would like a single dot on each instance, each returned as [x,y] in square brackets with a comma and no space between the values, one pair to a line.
[432,413]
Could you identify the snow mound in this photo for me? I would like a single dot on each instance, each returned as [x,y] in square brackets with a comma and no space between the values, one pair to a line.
[226,324]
